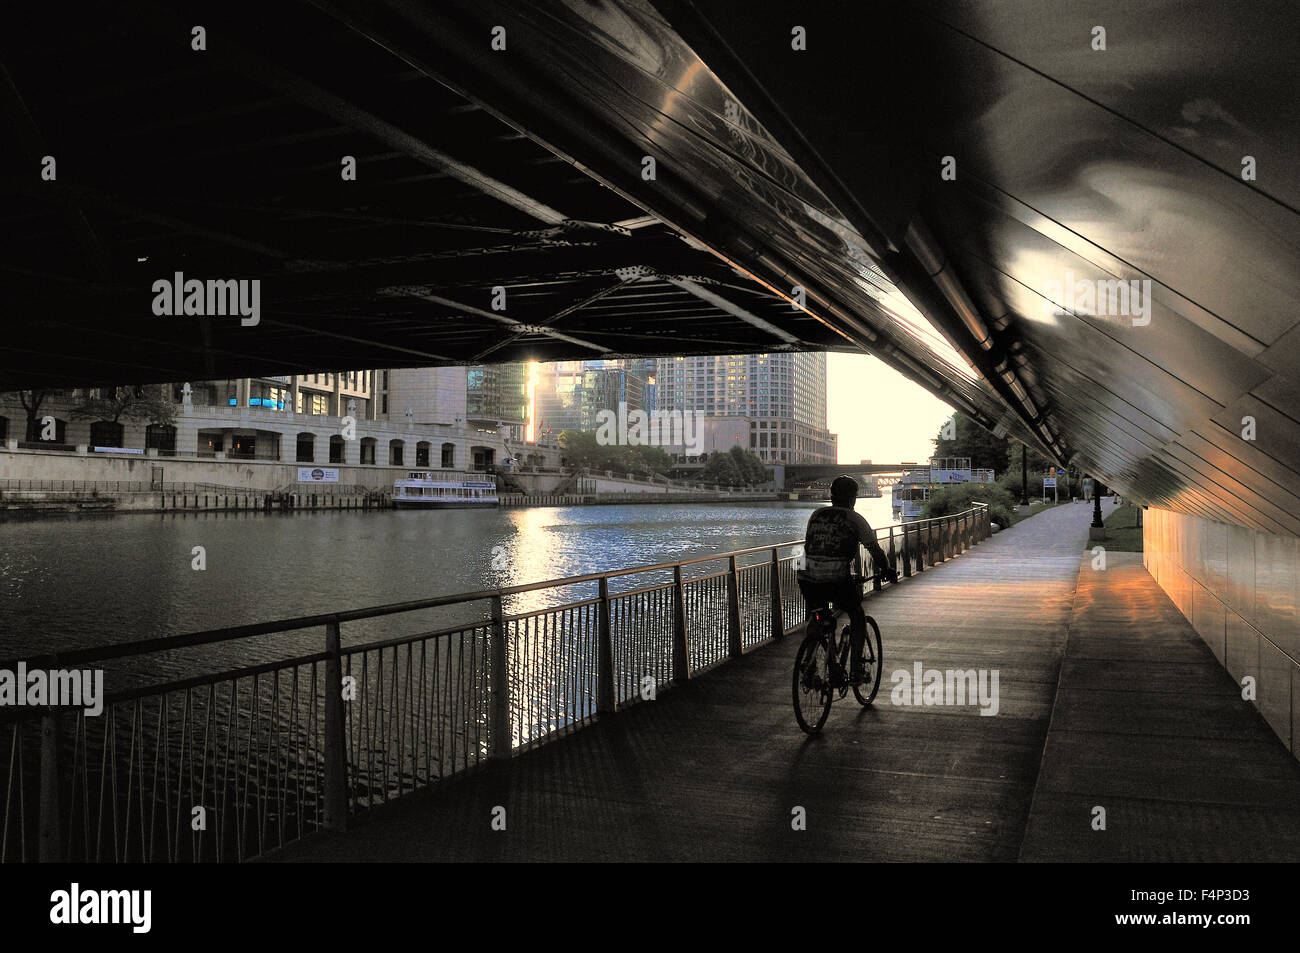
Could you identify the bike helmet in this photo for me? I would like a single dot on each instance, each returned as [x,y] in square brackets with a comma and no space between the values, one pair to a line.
[844,489]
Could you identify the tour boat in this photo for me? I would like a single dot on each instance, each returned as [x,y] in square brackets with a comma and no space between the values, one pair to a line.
[422,490]
[913,487]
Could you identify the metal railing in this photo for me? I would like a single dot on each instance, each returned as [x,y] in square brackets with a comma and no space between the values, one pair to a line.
[228,765]
[83,487]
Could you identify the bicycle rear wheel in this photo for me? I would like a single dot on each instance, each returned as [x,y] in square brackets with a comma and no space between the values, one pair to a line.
[812,684]
[872,665]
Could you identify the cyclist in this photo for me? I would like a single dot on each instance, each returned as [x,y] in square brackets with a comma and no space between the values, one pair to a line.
[830,548]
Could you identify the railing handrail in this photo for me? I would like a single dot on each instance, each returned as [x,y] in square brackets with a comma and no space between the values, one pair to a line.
[233,633]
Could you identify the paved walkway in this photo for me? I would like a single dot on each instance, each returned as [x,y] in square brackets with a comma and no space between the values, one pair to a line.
[1149,726]
[1140,719]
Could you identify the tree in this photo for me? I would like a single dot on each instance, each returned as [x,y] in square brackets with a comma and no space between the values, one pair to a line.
[31,401]
[151,403]
[958,497]
[736,467]
[583,449]
[648,459]
[971,440]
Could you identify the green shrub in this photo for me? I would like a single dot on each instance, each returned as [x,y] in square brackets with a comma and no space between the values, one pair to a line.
[1065,487]
[949,500]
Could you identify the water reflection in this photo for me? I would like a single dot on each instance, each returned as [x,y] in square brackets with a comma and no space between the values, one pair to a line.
[75,582]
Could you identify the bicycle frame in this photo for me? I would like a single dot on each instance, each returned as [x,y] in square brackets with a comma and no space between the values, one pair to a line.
[838,644]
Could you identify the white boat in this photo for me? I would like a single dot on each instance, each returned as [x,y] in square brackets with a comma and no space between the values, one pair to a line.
[914,486]
[422,490]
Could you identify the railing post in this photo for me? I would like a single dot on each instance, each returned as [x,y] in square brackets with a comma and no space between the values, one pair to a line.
[50,842]
[681,648]
[336,748]
[735,643]
[502,732]
[774,584]
[893,553]
[933,551]
[907,554]
[875,571]
[606,699]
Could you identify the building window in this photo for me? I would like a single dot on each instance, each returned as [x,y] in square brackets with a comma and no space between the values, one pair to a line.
[160,437]
[383,404]
[448,455]
[104,433]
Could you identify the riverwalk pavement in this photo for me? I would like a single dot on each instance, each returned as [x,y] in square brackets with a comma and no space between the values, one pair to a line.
[1106,698]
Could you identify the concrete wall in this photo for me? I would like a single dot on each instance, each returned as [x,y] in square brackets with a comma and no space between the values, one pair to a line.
[1240,589]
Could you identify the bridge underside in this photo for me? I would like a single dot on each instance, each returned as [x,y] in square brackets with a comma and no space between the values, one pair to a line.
[778,173]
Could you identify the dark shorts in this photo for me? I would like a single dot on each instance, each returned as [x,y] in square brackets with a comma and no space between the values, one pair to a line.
[845,595]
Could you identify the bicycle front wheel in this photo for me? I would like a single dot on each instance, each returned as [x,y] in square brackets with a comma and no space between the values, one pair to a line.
[872,665]
[812,684]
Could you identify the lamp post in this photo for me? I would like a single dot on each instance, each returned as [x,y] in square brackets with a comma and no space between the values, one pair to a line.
[1024,476]
[1097,529]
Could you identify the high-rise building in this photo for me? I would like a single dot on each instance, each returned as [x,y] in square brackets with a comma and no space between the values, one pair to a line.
[783,394]
[433,395]
[571,394]
[497,394]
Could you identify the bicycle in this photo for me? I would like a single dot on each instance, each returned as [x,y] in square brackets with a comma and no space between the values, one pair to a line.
[821,667]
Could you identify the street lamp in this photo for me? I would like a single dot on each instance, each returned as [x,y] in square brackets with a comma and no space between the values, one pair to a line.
[1024,476]
[1097,530]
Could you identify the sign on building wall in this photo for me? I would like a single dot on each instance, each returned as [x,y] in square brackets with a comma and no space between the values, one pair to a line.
[317,475]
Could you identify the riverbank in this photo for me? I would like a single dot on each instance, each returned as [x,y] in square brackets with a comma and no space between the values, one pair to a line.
[200,498]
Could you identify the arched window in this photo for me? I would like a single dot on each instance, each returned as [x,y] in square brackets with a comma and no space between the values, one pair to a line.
[336,449]
[448,455]
[396,449]
[105,433]
[306,449]
[35,428]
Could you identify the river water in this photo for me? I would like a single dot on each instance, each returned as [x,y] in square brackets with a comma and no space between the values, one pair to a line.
[73,582]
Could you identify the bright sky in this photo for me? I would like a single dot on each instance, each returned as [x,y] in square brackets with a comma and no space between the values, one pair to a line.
[878,413]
